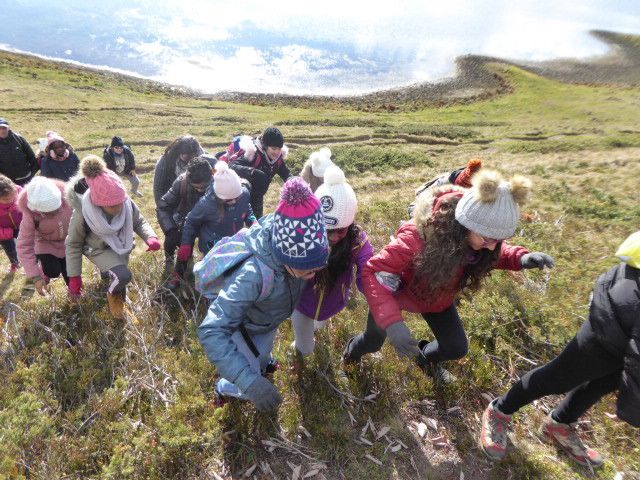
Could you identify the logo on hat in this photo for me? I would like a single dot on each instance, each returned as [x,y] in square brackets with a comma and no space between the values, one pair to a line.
[330,221]
[327,203]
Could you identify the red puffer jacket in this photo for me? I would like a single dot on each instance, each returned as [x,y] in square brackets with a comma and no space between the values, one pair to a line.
[397,258]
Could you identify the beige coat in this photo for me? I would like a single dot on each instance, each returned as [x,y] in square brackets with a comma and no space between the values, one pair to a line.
[82,241]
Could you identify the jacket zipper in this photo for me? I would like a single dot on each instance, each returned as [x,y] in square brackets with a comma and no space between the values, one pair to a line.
[320,300]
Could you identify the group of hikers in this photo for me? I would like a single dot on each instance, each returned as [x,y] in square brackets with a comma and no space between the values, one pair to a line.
[302,260]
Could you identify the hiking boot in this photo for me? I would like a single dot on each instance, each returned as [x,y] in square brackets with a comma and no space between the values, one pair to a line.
[436,371]
[565,436]
[116,305]
[493,435]
[272,367]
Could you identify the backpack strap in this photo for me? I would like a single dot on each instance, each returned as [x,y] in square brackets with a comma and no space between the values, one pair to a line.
[267,280]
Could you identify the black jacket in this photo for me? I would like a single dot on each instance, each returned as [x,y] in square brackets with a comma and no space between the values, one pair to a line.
[129,160]
[17,160]
[615,320]
[165,173]
[174,205]
[259,172]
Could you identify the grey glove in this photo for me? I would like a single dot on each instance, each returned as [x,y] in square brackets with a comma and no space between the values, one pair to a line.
[536,260]
[264,395]
[401,338]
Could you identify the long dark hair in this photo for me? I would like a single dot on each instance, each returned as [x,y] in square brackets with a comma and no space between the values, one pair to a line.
[446,250]
[339,259]
[184,144]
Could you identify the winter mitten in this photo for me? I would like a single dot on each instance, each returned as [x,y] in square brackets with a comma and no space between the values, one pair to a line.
[184,252]
[75,286]
[264,394]
[464,178]
[6,233]
[536,260]
[154,244]
[401,338]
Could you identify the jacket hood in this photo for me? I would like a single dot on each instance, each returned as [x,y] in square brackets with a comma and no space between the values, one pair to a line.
[75,190]
[259,240]
[425,202]
[23,198]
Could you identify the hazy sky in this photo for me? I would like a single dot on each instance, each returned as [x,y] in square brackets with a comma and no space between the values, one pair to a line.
[329,46]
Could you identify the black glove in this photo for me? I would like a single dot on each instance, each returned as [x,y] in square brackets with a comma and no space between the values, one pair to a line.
[264,394]
[536,260]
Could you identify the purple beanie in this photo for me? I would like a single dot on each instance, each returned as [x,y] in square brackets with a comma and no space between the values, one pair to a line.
[299,235]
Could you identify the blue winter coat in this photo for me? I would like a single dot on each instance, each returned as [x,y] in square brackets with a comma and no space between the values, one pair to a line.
[203,220]
[237,304]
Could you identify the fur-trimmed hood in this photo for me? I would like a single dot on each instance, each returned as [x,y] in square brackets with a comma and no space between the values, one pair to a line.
[425,202]
[23,199]
[253,145]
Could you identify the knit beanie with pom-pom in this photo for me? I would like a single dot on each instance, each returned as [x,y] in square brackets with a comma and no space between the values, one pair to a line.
[490,207]
[226,182]
[464,177]
[320,161]
[338,200]
[105,187]
[299,234]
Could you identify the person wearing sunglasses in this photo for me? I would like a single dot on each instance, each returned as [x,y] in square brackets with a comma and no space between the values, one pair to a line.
[329,291]
[222,211]
[59,159]
[454,240]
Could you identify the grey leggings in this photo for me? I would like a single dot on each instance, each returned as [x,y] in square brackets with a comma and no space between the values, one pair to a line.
[304,328]
[120,276]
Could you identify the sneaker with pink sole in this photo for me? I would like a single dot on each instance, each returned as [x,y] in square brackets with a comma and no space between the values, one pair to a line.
[494,433]
[565,436]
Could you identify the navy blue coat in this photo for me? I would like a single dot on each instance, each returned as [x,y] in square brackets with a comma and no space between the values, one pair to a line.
[205,223]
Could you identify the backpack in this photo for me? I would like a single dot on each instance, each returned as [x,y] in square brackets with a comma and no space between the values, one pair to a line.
[227,255]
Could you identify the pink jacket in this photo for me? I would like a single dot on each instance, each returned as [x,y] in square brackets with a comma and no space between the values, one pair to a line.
[42,233]
[10,215]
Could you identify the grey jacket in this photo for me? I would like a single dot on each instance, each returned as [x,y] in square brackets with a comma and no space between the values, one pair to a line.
[81,240]
[237,304]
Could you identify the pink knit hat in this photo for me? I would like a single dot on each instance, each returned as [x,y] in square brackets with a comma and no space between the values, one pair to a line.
[105,187]
[54,137]
[226,182]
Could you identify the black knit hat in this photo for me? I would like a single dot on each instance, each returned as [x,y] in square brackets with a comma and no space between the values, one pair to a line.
[117,142]
[272,137]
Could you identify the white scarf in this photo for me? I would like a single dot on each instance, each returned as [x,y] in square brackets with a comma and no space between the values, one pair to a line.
[119,233]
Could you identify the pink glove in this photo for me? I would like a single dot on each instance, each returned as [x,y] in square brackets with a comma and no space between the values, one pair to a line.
[154,244]
[184,252]
[6,233]
[75,286]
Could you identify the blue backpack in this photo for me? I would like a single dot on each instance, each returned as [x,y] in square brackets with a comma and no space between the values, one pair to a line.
[227,254]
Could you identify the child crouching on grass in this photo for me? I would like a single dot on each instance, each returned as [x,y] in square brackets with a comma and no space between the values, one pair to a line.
[10,218]
[102,227]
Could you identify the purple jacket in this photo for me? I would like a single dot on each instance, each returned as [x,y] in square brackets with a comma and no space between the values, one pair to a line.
[323,305]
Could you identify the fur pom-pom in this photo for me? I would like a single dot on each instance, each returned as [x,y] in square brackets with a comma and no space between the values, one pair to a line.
[284,152]
[92,166]
[221,167]
[486,184]
[474,165]
[334,176]
[520,189]
[295,192]
[246,144]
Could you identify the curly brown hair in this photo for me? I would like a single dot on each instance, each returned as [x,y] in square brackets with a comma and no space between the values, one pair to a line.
[7,187]
[446,250]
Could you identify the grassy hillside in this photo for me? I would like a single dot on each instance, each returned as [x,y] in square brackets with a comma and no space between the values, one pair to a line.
[86,397]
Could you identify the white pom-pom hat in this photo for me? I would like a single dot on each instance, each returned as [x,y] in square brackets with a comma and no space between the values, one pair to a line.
[320,161]
[226,183]
[338,200]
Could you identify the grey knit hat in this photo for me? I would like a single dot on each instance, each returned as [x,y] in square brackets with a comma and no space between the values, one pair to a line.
[490,207]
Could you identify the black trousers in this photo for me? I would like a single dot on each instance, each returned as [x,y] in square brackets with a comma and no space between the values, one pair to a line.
[53,266]
[9,247]
[584,369]
[172,242]
[450,344]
